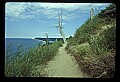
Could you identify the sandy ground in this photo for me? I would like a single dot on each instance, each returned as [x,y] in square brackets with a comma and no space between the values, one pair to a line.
[63,65]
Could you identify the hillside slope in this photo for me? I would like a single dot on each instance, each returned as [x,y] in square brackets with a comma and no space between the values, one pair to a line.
[93,44]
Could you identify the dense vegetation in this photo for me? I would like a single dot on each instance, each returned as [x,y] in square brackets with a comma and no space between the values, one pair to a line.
[31,63]
[108,8]
[93,46]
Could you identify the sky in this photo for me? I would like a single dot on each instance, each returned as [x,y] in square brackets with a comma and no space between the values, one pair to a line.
[35,19]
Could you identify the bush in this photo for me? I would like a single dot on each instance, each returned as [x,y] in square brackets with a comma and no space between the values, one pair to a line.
[84,49]
[110,36]
[97,43]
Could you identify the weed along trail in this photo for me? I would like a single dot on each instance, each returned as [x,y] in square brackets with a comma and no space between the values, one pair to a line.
[63,65]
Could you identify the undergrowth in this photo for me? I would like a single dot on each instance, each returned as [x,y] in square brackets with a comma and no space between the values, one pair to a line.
[94,48]
[31,63]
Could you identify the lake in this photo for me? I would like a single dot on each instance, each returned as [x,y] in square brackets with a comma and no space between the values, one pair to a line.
[26,43]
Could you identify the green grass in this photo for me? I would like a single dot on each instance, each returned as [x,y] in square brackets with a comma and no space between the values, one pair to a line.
[31,63]
[95,48]
[98,55]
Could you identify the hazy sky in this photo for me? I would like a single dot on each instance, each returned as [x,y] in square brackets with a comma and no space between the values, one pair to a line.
[34,19]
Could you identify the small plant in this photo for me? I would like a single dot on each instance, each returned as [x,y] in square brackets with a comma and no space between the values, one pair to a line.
[84,49]
[30,63]
[97,57]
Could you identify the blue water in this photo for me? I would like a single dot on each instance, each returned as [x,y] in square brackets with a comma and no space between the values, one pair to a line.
[26,43]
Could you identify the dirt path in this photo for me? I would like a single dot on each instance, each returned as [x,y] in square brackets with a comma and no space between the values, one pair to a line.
[63,65]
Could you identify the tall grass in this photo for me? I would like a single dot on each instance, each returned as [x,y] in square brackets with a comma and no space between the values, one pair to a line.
[30,63]
[97,56]
[94,48]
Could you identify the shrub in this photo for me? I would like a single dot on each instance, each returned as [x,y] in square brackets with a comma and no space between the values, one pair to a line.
[84,49]
[97,43]
[110,36]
